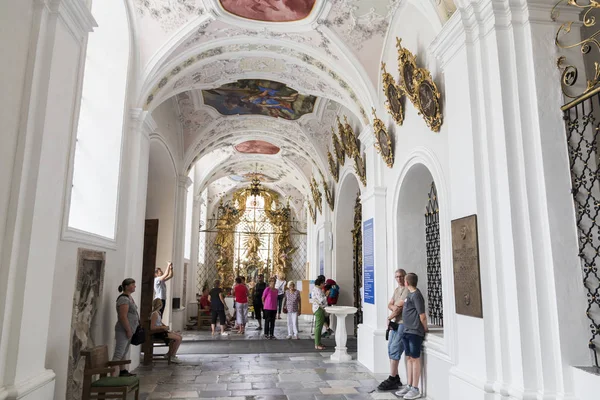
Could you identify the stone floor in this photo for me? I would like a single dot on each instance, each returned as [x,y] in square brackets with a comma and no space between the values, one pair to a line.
[271,376]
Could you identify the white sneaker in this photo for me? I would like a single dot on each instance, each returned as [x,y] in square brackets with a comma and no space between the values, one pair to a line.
[288,337]
[412,394]
[176,360]
[224,334]
[403,391]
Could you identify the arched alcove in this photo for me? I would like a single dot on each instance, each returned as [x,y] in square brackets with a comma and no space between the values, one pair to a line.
[343,270]
[418,239]
[160,203]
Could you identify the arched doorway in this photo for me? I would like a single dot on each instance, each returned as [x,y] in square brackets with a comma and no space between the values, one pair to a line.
[419,238]
[348,247]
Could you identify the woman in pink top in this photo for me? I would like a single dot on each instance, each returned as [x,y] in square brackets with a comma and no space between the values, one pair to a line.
[240,291]
[269,299]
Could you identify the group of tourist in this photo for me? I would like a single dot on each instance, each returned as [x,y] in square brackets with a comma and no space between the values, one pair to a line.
[268,302]
[407,325]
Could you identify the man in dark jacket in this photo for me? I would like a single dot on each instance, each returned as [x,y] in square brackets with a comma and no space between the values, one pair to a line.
[257,299]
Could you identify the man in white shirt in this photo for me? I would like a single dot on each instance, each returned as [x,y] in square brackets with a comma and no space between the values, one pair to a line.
[160,287]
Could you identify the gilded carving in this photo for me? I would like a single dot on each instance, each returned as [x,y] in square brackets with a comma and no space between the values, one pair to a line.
[328,192]
[311,210]
[393,95]
[383,141]
[317,196]
[353,141]
[407,66]
[427,99]
[340,153]
[360,167]
[334,166]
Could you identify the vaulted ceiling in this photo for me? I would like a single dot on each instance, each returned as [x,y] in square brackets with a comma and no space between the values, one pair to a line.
[276,71]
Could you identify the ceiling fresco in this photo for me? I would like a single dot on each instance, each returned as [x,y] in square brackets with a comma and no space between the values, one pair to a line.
[259,97]
[269,10]
[257,147]
[256,85]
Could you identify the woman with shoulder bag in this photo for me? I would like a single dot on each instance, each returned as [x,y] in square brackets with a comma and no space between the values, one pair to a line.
[128,321]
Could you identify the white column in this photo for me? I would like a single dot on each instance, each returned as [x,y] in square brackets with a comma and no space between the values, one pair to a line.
[47,102]
[327,244]
[183,183]
[371,333]
[193,268]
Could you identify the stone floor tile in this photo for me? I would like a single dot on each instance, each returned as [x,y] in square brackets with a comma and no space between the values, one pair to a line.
[330,397]
[338,390]
[384,395]
[216,386]
[359,396]
[207,379]
[264,385]
[230,378]
[300,397]
[159,395]
[300,377]
[257,392]
[179,387]
[184,395]
[211,394]
[261,378]
[239,386]
[343,383]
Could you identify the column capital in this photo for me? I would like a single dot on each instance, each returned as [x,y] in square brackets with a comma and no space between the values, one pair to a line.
[184,182]
[373,192]
[143,122]
[75,14]
[366,136]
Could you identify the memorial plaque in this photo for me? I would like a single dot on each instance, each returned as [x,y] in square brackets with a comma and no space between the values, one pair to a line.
[465,253]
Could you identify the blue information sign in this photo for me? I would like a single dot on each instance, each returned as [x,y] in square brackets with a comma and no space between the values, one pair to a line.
[368,262]
[321,259]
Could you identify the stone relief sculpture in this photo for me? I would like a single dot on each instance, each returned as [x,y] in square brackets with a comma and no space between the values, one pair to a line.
[88,290]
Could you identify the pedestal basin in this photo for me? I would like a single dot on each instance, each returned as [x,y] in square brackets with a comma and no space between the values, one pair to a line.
[341,336]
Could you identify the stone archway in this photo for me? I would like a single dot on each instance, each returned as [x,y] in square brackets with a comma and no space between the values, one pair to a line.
[345,254]
[418,240]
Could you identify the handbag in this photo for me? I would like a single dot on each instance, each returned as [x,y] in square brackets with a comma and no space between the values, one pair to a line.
[139,336]
[285,310]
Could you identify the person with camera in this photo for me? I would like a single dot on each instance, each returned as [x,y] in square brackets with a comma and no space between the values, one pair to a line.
[160,286]
[395,332]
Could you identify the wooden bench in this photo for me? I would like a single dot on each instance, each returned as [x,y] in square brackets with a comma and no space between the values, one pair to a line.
[203,320]
[159,343]
[106,386]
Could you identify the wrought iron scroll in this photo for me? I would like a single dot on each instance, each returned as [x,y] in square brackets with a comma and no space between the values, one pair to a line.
[570,73]
[582,140]
[434,271]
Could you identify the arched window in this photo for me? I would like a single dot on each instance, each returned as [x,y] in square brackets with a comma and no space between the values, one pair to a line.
[97,158]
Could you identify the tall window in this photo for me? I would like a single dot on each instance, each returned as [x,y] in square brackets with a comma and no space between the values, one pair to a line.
[94,192]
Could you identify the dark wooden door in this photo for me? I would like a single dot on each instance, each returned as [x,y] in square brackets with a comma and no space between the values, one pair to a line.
[148,266]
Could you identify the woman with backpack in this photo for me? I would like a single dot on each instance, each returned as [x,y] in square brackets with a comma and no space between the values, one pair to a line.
[128,320]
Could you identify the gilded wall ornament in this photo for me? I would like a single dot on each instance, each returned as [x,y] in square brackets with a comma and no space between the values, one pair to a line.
[407,67]
[353,141]
[311,210]
[360,166]
[427,99]
[393,95]
[317,196]
[383,141]
[340,153]
[344,140]
[334,166]
[328,192]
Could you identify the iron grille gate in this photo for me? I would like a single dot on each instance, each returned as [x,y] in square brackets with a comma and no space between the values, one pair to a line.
[434,272]
[582,142]
[208,256]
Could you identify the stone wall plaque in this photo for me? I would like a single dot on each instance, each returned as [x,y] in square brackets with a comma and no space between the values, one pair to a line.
[465,254]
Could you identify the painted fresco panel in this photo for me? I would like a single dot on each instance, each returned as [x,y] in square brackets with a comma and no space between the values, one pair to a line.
[259,97]
[269,10]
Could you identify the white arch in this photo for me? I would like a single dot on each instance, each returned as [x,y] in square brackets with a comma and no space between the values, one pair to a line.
[355,84]
[157,137]
[445,348]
